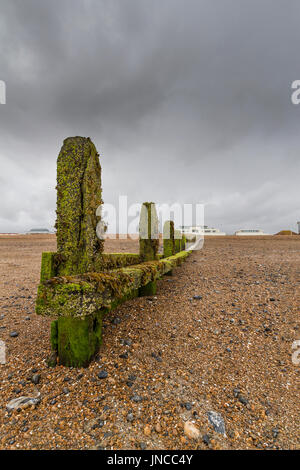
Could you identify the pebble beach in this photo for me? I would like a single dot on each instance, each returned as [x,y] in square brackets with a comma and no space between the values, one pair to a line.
[204,364]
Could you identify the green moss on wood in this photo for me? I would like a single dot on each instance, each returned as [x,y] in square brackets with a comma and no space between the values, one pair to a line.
[83,295]
[148,232]
[79,340]
[112,261]
[178,241]
[48,266]
[103,262]
[148,289]
[183,243]
[78,196]
[168,238]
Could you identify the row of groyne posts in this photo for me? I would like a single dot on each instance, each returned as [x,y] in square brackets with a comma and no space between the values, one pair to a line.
[80,283]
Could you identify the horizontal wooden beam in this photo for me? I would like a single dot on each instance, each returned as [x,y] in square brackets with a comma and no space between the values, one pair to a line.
[88,294]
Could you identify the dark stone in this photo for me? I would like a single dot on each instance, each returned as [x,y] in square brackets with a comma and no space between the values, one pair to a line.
[132,378]
[103,374]
[243,400]
[14,334]
[36,378]
[124,355]
[197,297]
[206,439]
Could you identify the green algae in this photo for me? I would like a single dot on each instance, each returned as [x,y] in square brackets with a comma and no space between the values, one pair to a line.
[79,340]
[168,239]
[148,232]
[79,194]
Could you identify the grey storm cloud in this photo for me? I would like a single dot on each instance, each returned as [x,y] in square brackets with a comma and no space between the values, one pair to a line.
[186,100]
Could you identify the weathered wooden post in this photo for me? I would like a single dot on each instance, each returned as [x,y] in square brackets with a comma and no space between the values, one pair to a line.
[148,232]
[79,283]
[168,238]
[149,241]
[168,241]
[183,243]
[178,240]
[79,193]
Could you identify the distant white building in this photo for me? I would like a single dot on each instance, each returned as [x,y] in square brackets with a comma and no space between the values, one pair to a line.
[38,230]
[250,232]
[298,223]
[200,230]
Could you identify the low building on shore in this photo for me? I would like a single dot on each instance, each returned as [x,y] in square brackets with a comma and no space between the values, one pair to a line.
[35,231]
[200,230]
[250,232]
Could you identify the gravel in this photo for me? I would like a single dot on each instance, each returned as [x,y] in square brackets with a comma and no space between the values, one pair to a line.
[244,272]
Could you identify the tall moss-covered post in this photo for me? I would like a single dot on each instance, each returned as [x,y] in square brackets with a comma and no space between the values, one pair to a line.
[79,194]
[168,239]
[149,241]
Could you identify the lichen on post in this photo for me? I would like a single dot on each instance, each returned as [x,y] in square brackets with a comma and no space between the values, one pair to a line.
[79,194]
[183,243]
[79,339]
[148,289]
[168,239]
[148,232]
[178,241]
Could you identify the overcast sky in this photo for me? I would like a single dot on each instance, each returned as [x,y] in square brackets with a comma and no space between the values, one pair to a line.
[186,100]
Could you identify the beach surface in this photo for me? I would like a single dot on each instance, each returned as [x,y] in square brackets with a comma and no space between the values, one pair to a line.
[205,364]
